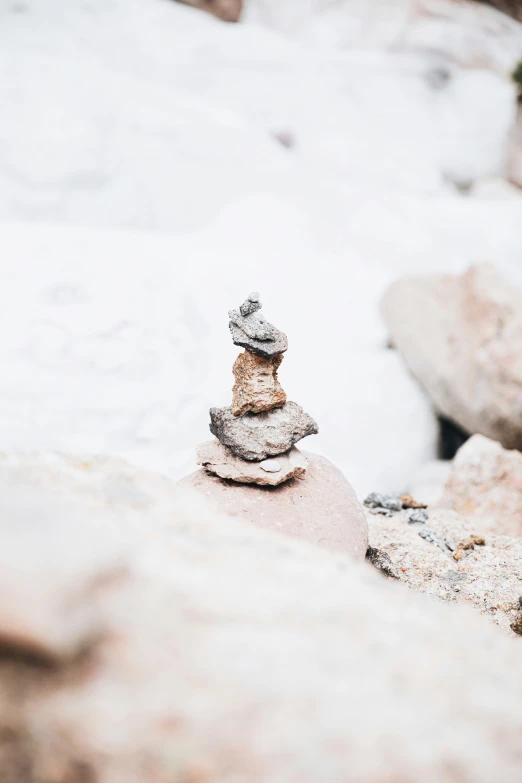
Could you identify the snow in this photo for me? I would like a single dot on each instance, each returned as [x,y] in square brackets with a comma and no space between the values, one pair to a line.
[143,193]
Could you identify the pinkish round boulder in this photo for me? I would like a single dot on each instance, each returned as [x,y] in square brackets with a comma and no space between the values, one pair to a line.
[320,506]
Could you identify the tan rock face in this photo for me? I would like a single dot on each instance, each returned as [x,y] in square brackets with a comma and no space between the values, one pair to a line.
[485,574]
[271,472]
[485,485]
[319,506]
[233,654]
[256,386]
[460,336]
[228,10]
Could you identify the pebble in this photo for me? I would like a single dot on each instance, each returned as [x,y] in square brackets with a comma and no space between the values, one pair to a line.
[417,516]
[270,465]
[378,500]
[434,538]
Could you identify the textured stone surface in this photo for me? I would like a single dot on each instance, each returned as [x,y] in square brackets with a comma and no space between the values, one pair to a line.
[228,10]
[487,576]
[320,506]
[232,654]
[256,386]
[256,436]
[485,484]
[460,336]
[251,330]
[219,460]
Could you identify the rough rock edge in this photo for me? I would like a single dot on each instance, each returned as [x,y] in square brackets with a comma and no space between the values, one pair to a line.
[220,461]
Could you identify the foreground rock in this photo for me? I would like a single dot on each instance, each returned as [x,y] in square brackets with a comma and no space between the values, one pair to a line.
[440,558]
[228,10]
[485,485]
[256,386]
[251,330]
[255,437]
[231,654]
[52,569]
[319,507]
[460,336]
[270,472]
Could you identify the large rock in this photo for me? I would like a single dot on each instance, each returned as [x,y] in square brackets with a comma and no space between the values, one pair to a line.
[256,386]
[231,654]
[485,484]
[460,336]
[256,436]
[319,506]
[228,10]
[426,557]
[270,472]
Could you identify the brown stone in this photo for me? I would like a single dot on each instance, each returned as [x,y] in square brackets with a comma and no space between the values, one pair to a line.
[320,506]
[270,472]
[257,387]
[408,502]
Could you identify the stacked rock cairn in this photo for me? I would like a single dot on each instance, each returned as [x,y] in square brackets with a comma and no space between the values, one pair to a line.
[257,433]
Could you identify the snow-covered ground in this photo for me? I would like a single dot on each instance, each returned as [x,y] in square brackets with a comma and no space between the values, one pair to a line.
[144,192]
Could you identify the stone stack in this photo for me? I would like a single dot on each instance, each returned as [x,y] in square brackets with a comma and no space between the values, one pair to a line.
[256,435]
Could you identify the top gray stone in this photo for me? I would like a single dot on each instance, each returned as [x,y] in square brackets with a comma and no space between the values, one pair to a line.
[252,331]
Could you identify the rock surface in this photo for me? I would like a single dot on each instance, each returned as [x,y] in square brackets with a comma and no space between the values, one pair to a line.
[511,7]
[251,330]
[485,484]
[256,386]
[460,336]
[319,506]
[219,460]
[228,10]
[234,655]
[514,161]
[256,436]
[487,577]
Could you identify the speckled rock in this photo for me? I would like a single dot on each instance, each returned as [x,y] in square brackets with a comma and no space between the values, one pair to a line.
[256,436]
[256,386]
[460,336]
[251,330]
[319,506]
[485,484]
[217,459]
[487,577]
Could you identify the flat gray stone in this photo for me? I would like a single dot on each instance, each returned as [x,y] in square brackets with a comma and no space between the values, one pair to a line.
[251,330]
[256,436]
